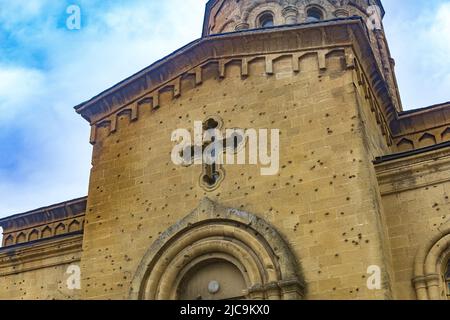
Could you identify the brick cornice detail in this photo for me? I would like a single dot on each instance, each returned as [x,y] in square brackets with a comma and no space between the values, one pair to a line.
[144,88]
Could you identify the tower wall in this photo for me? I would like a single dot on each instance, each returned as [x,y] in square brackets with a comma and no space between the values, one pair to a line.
[324,201]
[231,15]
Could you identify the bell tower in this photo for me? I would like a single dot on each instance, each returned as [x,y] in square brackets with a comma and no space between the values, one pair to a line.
[233,15]
[224,16]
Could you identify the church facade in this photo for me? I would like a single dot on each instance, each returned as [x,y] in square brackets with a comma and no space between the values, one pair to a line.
[359,208]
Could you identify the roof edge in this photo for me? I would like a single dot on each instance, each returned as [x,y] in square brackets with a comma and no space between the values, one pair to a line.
[143,74]
[42,209]
[406,154]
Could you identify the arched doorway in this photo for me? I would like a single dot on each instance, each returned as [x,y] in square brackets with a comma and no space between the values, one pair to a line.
[218,253]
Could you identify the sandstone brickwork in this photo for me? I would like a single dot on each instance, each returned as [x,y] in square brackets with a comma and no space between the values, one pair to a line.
[361,183]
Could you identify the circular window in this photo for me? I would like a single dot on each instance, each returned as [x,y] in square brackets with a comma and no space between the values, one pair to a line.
[266,20]
[314,14]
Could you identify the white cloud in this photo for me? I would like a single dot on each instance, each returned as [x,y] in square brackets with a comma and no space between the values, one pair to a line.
[54,161]
[18,87]
[119,40]
[419,39]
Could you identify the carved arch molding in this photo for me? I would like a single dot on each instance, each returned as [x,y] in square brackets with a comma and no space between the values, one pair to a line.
[429,266]
[214,232]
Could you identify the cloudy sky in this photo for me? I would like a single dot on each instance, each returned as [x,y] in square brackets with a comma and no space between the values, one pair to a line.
[46,69]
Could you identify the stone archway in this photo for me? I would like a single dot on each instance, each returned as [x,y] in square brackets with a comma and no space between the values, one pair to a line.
[428,265]
[185,260]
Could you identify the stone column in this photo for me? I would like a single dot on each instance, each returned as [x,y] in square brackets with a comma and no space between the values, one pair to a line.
[341,13]
[242,26]
[433,286]
[290,14]
[421,288]
[273,291]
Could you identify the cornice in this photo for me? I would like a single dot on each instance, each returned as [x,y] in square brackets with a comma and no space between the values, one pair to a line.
[48,253]
[44,215]
[414,169]
[166,73]
[424,119]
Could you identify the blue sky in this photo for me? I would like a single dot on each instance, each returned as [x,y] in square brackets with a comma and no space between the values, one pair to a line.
[46,69]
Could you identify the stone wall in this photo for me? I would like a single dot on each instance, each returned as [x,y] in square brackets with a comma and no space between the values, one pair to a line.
[323,201]
[416,192]
[40,272]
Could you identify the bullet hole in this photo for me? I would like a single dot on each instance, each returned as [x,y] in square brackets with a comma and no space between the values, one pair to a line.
[348,199]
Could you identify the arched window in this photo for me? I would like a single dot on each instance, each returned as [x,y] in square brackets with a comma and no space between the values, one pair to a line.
[266,20]
[314,14]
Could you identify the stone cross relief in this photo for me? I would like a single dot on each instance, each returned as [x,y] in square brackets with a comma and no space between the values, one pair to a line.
[212,172]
